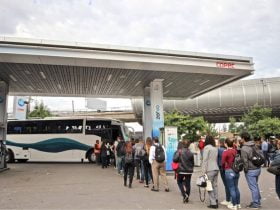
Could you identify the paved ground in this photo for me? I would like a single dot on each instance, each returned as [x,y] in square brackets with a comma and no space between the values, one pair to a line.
[86,186]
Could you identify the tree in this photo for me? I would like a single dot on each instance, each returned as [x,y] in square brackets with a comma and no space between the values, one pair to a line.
[232,125]
[190,126]
[211,130]
[258,122]
[40,111]
[255,114]
[267,127]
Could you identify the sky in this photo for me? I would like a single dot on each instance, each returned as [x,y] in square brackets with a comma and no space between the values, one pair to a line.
[245,28]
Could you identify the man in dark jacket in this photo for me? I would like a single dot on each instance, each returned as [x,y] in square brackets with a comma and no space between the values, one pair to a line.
[276,162]
[252,172]
[186,163]
[120,155]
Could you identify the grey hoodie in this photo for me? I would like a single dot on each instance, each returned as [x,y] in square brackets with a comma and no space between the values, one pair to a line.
[246,155]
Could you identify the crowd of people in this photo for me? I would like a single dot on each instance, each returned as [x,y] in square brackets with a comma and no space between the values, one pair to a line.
[228,158]
[233,156]
[147,158]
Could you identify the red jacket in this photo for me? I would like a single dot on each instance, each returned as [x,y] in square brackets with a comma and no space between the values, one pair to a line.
[228,158]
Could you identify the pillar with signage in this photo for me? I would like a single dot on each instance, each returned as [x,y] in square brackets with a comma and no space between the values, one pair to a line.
[171,143]
[147,114]
[153,118]
[156,107]
[3,122]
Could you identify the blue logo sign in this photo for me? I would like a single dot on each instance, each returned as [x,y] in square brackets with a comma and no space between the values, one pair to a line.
[1,99]
[21,102]
[148,103]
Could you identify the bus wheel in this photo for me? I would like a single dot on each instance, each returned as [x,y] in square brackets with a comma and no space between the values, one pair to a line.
[22,160]
[10,156]
[91,157]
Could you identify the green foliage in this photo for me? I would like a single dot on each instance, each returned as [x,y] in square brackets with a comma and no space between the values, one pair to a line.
[255,114]
[258,122]
[192,127]
[40,111]
[232,125]
[210,130]
[267,127]
[240,128]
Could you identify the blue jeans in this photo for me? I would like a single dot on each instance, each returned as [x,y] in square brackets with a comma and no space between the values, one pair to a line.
[232,184]
[222,172]
[142,174]
[252,177]
[267,161]
[120,163]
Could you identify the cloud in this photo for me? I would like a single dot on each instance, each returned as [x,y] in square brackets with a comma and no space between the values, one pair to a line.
[249,28]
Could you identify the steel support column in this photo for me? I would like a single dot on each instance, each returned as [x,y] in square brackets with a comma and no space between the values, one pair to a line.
[3,122]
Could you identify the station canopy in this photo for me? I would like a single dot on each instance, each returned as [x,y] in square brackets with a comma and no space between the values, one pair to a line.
[55,68]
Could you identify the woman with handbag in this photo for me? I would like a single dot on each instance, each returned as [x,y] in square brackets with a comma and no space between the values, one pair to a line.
[211,169]
[185,158]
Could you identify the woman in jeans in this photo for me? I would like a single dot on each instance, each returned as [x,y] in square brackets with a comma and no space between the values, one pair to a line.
[184,157]
[221,149]
[231,176]
[211,169]
[128,164]
[147,165]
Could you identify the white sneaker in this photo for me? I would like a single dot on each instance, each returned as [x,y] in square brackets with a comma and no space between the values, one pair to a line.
[232,207]
[225,203]
[239,206]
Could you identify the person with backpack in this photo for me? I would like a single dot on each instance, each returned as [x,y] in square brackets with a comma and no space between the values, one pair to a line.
[211,169]
[271,148]
[147,166]
[221,150]
[184,172]
[275,167]
[128,164]
[138,147]
[229,161]
[120,155]
[157,159]
[253,159]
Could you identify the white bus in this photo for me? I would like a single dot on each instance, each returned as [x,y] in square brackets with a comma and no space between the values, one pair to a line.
[59,139]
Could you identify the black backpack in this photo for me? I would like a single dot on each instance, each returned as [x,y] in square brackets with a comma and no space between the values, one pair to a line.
[121,149]
[159,154]
[257,158]
[237,164]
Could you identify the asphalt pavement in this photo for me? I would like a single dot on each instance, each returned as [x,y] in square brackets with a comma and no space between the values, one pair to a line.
[88,186]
